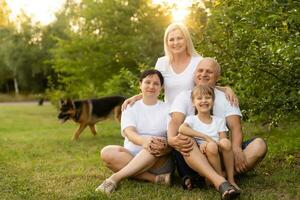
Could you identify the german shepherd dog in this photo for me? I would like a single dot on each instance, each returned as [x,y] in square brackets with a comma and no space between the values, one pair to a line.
[89,112]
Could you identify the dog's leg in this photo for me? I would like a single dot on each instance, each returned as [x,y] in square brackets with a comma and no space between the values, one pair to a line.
[93,129]
[79,130]
[117,113]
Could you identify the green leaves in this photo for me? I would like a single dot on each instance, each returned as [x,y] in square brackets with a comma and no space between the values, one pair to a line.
[256,45]
[111,35]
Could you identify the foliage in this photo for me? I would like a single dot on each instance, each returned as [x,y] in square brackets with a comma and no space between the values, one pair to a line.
[96,48]
[257,45]
[22,57]
[105,37]
[25,52]
[124,83]
[4,13]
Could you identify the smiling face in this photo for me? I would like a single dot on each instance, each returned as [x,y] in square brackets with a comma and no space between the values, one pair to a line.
[203,103]
[176,42]
[207,73]
[203,99]
[151,86]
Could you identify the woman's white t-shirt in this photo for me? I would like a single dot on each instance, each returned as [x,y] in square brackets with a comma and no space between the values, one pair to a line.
[175,83]
[149,120]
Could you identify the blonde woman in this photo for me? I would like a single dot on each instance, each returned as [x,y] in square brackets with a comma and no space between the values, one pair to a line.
[178,65]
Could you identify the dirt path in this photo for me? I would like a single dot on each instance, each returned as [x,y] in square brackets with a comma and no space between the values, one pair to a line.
[22,103]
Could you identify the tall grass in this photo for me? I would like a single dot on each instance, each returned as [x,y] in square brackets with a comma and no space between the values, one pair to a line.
[39,161]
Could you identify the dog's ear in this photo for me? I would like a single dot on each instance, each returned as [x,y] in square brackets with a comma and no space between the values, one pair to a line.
[69,102]
[61,101]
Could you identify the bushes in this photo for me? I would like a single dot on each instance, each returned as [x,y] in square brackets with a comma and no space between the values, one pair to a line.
[256,44]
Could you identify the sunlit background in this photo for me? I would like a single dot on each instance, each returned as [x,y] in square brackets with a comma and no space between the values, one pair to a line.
[43,11]
[180,8]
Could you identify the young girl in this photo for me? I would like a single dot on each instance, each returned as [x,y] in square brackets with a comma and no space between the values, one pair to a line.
[210,132]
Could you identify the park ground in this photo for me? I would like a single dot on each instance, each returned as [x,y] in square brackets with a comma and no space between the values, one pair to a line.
[39,161]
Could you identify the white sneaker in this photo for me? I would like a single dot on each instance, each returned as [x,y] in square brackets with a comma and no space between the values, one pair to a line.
[164,179]
[108,187]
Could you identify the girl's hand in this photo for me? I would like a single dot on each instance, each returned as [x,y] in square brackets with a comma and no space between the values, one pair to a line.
[202,147]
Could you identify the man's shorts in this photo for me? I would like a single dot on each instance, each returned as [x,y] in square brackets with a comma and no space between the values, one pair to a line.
[247,142]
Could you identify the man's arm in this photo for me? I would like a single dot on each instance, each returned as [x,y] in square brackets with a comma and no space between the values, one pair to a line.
[234,124]
[179,142]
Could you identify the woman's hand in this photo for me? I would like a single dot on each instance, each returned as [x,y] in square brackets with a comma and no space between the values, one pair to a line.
[130,101]
[159,147]
[146,143]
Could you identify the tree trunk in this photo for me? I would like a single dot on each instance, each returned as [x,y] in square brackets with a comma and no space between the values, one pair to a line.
[7,87]
[16,86]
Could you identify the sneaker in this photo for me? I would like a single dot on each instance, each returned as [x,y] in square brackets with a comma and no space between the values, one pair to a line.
[107,187]
[164,179]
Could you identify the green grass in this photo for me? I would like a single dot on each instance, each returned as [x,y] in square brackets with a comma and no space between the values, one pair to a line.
[4,97]
[39,161]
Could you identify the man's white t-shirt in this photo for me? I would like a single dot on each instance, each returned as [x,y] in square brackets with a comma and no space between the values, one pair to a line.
[222,108]
[149,120]
[213,129]
[176,83]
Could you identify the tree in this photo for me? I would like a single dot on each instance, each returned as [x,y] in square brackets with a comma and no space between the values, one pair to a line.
[4,14]
[21,59]
[104,37]
[257,46]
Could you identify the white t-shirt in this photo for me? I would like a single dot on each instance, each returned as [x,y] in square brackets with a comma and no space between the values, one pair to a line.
[213,129]
[175,83]
[222,107]
[148,120]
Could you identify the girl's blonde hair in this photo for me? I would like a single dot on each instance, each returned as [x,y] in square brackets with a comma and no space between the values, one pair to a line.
[186,34]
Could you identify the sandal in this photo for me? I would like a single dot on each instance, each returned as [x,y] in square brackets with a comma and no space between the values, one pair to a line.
[237,191]
[108,187]
[227,191]
[187,183]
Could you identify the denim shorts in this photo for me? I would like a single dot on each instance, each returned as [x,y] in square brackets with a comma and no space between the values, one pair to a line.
[247,142]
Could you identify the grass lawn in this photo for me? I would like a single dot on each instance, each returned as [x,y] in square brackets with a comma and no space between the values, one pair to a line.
[39,161]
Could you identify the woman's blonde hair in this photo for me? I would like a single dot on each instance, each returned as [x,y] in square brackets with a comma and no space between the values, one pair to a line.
[186,34]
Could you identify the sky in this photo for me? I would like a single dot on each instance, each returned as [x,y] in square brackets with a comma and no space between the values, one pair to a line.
[43,10]
[40,10]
